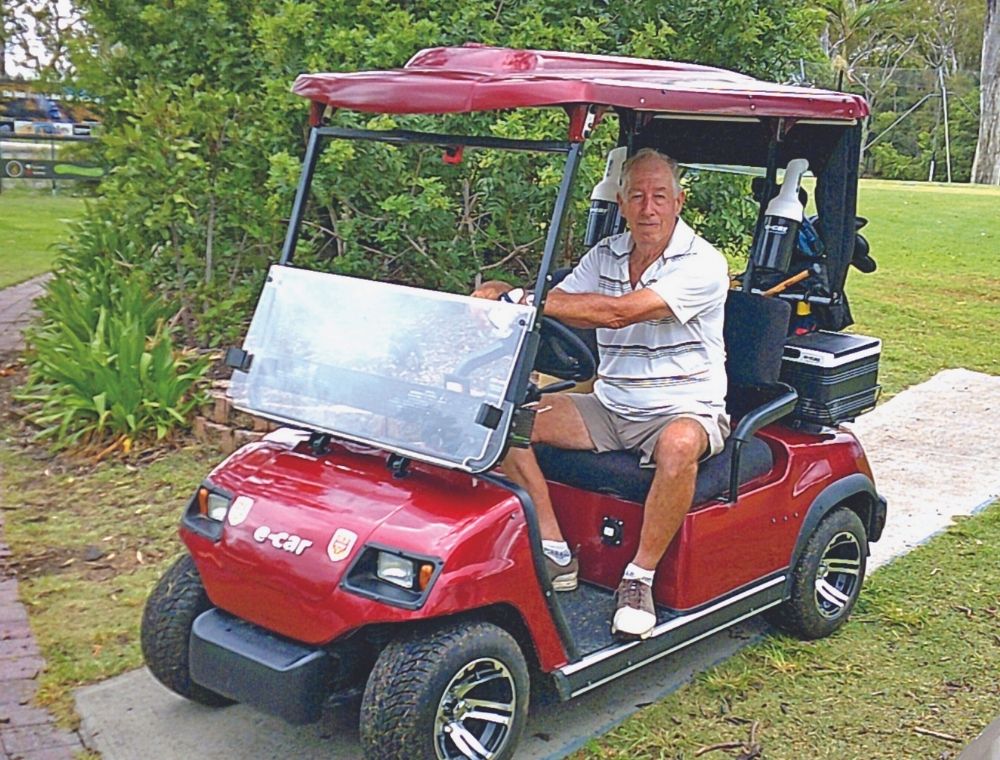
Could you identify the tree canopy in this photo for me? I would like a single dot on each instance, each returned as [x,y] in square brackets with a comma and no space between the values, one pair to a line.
[206,139]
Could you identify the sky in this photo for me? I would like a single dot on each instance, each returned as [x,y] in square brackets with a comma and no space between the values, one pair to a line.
[15,58]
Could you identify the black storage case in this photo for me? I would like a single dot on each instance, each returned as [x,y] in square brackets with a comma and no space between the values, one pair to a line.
[835,374]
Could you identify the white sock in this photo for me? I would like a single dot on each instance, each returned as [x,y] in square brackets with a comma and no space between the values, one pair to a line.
[557,551]
[634,572]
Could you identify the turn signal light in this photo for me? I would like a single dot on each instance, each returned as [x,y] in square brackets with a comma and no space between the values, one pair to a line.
[424,578]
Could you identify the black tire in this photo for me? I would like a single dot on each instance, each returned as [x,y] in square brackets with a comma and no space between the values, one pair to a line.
[429,683]
[827,579]
[175,602]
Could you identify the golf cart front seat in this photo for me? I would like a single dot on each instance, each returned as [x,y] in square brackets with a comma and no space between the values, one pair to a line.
[754,333]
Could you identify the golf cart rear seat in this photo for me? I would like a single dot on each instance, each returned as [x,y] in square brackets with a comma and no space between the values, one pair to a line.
[755,333]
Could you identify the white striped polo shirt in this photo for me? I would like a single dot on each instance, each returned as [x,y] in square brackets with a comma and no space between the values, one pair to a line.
[661,366]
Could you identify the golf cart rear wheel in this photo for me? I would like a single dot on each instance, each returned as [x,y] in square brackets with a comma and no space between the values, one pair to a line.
[827,578]
[457,691]
[170,611]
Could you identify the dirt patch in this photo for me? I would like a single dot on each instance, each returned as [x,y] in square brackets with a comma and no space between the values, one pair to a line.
[90,562]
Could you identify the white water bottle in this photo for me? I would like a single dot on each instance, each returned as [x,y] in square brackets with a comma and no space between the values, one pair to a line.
[604,199]
[777,239]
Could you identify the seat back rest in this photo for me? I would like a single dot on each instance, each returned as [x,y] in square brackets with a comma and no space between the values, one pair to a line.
[755,332]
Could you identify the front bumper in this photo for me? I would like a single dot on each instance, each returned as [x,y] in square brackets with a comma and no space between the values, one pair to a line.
[878,519]
[250,665]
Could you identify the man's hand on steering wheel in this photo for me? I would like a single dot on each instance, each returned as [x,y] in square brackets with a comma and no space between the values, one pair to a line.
[492,290]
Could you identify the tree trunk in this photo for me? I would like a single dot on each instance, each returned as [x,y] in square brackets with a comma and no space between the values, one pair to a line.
[986,167]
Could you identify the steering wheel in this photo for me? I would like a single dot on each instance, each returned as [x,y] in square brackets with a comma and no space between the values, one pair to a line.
[563,353]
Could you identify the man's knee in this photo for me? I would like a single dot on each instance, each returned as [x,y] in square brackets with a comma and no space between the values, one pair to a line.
[680,446]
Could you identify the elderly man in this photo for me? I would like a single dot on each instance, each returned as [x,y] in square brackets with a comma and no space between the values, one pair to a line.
[656,295]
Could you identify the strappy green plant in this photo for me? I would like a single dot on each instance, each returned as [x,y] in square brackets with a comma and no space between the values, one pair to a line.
[103,369]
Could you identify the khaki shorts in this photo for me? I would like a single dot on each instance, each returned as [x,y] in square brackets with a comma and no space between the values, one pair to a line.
[612,432]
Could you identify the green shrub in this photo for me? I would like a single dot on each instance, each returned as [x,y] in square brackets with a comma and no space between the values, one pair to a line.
[206,139]
[103,370]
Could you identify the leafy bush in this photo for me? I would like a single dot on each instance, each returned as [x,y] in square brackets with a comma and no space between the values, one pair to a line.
[103,370]
[206,139]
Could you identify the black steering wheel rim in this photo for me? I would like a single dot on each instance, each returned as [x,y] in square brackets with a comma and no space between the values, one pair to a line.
[562,353]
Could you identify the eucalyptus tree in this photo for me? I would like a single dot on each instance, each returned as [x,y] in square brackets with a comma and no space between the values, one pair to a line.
[986,167]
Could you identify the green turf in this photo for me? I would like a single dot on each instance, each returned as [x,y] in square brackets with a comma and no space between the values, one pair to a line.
[935,299]
[30,222]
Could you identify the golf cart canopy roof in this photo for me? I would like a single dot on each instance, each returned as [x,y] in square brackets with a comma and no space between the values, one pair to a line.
[479,78]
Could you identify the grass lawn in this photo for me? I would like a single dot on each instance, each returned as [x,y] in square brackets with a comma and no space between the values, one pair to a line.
[30,222]
[89,542]
[935,299]
[88,546]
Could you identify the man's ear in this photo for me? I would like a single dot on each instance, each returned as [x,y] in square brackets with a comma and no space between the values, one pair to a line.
[679,200]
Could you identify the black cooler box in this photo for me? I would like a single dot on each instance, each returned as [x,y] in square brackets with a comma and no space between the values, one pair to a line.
[835,374]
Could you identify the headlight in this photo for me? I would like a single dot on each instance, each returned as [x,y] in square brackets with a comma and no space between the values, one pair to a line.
[395,569]
[208,509]
[388,575]
[403,571]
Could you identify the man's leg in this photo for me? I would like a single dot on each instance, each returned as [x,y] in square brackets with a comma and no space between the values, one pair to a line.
[559,423]
[678,448]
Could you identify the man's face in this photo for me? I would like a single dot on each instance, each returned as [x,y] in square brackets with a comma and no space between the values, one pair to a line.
[649,203]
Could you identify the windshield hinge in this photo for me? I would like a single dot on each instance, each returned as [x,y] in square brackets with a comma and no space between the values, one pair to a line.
[319,443]
[237,358]
[398,465]
[489,416]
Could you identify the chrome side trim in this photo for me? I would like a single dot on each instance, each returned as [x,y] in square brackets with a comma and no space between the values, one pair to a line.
[683,644]
[670,625]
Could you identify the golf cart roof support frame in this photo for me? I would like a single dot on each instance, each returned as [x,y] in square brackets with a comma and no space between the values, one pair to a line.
[313,149]
[406,136]
[518,387]
[770,190]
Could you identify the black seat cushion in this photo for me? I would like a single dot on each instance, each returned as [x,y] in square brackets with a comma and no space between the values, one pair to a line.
[618,472]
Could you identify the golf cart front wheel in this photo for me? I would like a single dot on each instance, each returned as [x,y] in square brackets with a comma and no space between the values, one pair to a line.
[170,611]
[827,578]
[457,692]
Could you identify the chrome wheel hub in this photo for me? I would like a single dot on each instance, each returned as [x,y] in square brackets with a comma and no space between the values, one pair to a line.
[838,574]
[476,712]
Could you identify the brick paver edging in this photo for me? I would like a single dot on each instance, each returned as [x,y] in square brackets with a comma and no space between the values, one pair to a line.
[17,310]
[26,732]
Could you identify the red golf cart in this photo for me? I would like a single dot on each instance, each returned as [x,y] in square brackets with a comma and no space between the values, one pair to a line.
[373,548]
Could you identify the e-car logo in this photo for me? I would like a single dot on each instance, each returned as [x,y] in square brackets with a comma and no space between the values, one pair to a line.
[341,544]
[288,542]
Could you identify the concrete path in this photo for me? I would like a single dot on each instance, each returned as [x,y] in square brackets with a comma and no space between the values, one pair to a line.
[959,413]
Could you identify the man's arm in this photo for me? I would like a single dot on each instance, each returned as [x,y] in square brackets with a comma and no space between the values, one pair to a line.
[594,310]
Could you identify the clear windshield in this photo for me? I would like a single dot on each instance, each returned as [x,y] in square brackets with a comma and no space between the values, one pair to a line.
[414,371]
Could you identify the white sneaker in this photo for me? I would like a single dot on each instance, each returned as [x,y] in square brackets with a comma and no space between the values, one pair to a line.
[635,615]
